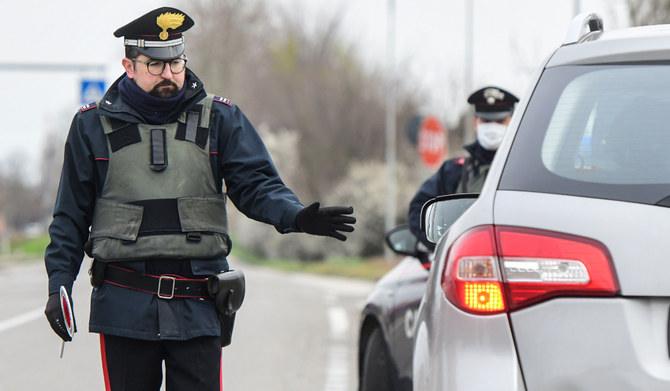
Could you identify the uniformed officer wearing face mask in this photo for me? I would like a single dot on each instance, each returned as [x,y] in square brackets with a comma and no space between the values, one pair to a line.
[493,111]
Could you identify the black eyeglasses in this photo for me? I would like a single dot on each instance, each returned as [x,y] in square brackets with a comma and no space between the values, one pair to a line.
[156,67]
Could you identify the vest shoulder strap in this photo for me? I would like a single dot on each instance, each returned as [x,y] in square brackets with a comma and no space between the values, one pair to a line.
[473,175]
[203,108]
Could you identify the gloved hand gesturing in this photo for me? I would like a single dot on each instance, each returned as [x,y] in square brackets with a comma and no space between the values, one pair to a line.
[327,221]
[54,314]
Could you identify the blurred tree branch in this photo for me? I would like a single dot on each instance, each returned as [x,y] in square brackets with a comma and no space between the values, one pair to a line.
[648,12]
[302,81]
[285,76]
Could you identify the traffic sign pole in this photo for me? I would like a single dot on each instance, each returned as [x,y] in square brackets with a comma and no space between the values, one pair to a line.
[389,216]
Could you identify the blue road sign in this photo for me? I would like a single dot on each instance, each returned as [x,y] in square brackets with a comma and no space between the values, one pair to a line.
[91,90]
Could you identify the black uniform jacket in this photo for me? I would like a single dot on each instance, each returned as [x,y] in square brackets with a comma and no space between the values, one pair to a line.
[445,181]
[238,157]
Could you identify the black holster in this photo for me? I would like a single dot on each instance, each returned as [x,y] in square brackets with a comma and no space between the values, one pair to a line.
[97,273]
[227,289]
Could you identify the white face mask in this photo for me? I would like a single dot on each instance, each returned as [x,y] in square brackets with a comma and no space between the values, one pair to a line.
[490,134]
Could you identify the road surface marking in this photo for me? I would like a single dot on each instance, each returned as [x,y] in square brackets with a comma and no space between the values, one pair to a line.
[337,370]
[338,321]
[21,319]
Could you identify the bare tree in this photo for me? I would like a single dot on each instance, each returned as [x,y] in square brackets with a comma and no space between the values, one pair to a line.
[20,203]
[307,79]
[52,161]
[311,81]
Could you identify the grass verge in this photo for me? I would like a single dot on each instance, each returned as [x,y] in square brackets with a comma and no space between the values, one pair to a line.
[24,248]
[362,268]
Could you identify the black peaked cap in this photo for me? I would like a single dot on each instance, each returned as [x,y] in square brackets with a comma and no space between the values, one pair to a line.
[493,103]
[158,33]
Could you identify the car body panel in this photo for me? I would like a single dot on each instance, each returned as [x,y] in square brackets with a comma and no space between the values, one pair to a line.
[402,319]
[594,344]
[559,342]
[614,223]
[458,351]
[634,44]
[392,307]
[470,352]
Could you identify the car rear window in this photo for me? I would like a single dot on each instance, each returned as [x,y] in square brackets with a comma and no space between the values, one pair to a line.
[596,131]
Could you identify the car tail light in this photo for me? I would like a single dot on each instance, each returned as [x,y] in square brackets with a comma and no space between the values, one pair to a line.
[490,269]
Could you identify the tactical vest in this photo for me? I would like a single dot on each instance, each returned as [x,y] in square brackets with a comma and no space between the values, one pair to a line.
[473,175]
[160,197]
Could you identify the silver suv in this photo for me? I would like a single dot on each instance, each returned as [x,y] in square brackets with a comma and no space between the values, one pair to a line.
[557,276]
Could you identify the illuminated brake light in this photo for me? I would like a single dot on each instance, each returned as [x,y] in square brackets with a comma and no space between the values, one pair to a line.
[477,278]
[471,280]
[490,269]
[483,296]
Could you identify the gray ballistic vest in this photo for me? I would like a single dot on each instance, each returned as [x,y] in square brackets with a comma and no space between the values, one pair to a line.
[473,175]
[160,199]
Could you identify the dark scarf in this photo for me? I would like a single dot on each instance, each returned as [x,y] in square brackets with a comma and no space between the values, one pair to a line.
[483,155]
[154,110]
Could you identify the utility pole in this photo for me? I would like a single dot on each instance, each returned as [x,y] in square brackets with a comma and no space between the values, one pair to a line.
[468,131]
[389,217]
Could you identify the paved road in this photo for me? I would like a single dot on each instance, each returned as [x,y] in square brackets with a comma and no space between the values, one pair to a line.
[295,332]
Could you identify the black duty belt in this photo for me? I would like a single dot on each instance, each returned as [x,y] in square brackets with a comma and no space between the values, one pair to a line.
[165,286]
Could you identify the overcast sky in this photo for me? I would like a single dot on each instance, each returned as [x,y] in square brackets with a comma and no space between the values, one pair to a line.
[511,37]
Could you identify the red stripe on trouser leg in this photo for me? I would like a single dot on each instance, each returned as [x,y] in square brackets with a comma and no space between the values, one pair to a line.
[103,355]
[221,373]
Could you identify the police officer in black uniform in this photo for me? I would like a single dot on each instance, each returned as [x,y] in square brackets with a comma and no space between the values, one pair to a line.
[493,111]
[143,169]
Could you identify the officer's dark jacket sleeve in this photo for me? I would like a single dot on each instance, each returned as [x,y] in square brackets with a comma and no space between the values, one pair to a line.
[75,201]
[444,181]
[251,178]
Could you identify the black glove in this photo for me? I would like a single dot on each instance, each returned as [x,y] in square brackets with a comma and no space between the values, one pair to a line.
[55,317]
[326,221]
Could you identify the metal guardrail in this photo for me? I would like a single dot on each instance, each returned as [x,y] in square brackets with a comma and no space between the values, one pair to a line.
[53,67]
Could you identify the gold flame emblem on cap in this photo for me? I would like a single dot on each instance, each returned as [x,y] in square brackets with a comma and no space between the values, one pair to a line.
[168,20]
[493,94]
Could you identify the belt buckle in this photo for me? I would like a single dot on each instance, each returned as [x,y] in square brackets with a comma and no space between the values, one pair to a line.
[160,282]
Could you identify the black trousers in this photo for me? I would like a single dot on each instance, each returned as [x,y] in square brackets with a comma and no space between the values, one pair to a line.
[135,365]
